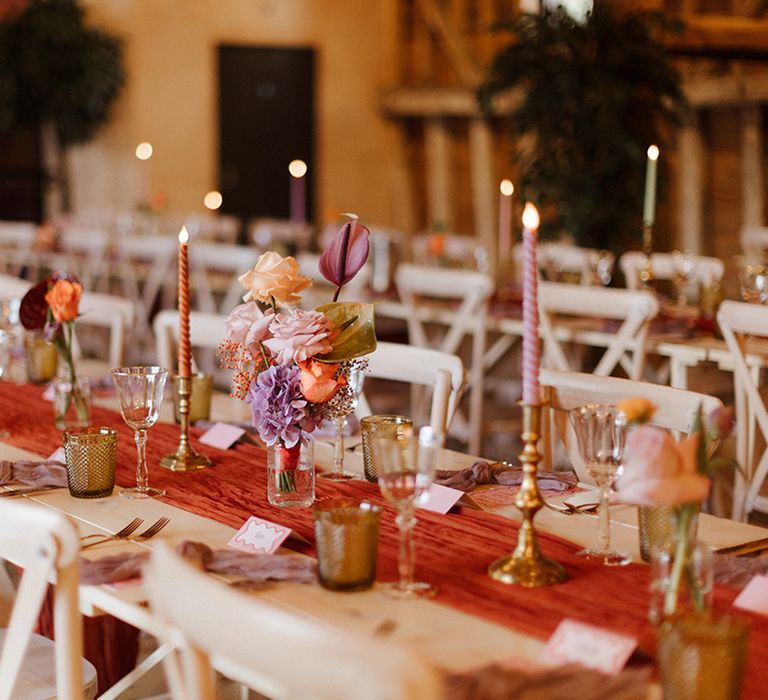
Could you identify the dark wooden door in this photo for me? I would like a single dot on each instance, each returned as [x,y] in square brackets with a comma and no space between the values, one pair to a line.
[21,175]
[266,120]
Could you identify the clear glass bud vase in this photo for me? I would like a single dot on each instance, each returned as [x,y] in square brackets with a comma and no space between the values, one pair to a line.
[72,402]
[291,474]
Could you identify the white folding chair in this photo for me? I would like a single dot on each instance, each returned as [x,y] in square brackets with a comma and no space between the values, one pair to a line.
[46,544]
[557,259]
[738,321]
[268,233]
[81,250]
[275,651]
[459,249]
[422,366]
[675,408]
[214,269]
[17,246]
[707,270]
[116,316]
[625,347]
[216,228]
[419,287]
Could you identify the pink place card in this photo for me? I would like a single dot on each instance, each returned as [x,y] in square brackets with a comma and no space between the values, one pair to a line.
[259,536]
[222,435]
[440,499]
[593,647]
[58,455]
[49,393]
[754,597]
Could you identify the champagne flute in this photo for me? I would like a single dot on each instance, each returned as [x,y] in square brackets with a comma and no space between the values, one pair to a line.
[140,391]
[338,409]
[600,435]
[407,468]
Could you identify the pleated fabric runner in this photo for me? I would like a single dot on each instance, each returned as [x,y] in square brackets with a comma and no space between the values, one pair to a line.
[453,551]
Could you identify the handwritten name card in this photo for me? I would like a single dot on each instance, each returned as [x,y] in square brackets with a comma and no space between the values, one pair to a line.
[440,499]
[222,435]
[259,536]
[754,597]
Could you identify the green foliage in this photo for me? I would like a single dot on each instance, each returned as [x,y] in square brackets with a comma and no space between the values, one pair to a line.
[54,68]
[594,96]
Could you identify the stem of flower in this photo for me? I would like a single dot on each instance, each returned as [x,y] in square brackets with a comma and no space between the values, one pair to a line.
[684,514]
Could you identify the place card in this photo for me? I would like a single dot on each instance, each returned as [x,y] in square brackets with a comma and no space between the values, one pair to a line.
[222,435]
[440,499]
[259,536]
[754,597]
[58,455]
[49,393]
[593,647]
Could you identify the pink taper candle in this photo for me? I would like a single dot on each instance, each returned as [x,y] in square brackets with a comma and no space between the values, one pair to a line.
[185,355]
[530,307]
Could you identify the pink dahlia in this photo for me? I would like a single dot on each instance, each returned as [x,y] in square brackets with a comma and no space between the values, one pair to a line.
[299,335]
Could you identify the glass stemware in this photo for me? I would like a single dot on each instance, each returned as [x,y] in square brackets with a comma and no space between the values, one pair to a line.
[600,435]
[685,267]
[339,408]
[753,276]
[140,392]
[406,470]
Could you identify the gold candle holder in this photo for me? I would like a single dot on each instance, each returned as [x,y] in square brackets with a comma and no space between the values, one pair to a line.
[527,566]
[646,274]
[185,459]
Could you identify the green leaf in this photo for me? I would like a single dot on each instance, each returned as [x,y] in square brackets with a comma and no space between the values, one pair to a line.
[358,336]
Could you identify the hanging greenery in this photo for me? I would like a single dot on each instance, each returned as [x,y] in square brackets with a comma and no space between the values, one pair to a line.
[55,69]
[593,96]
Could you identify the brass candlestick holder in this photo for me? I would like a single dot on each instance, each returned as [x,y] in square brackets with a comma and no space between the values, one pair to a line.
[185,459]
[646,274]
[527,566]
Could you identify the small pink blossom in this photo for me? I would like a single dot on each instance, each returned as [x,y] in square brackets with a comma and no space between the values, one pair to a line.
[247,325]
[299,335]
[659,471]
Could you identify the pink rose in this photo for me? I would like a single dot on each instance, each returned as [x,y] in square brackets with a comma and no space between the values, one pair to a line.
[299,335]
[659,471]
[247,324]
[274,277]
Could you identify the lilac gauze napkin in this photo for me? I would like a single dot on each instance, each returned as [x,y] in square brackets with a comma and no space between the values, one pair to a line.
[253,567]
[484,473]
[36,474]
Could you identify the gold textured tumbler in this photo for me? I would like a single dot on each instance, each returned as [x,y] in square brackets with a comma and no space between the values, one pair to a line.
[90,457]
[383,424]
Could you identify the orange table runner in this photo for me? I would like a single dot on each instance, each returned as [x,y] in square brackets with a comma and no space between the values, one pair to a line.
[452,551]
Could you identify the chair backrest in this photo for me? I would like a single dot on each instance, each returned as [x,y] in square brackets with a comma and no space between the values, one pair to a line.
[207,262]
[83,251]
[633,309]
[707,270]
[754,239]
[266,233]
[46,544]
[422,366]
[460,250]
[276,651]
[557,259]
[17,243]
[111,312]
[205,331]
[221,228]
[739,320]
[675,408]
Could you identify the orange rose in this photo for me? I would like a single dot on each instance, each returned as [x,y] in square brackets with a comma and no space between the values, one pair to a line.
[63,298]
[318,381]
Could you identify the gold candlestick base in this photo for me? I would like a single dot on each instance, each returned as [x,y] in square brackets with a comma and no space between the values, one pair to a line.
[527,566]
[185,459]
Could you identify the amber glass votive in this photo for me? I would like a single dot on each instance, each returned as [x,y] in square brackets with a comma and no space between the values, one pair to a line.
[702,658]
[90,457]
[347,537]
[42,358]
[382,424]
[199,399]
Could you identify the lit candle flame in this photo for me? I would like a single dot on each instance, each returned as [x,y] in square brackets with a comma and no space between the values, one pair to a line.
[297,168]
[653,152]
[506,188]
[183,235]
[531,216]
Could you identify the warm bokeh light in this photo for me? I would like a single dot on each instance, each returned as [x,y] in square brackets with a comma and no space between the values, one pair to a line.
[653,152]
[183,235]
[530,216]
[213,200]
[144,150]
[351,215]
[506,188]
[297,168]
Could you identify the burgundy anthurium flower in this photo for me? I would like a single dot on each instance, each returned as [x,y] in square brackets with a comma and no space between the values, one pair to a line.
[346,255]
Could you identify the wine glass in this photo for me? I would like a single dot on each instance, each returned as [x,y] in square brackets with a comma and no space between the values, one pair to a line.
[406,470]
[753,276]
[600,435]
[338,408]
[140,392]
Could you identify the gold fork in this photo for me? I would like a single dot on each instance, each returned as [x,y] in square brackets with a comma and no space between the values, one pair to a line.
[150,532]
[129,529]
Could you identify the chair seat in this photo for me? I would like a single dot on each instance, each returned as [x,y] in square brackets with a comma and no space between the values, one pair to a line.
[37,679]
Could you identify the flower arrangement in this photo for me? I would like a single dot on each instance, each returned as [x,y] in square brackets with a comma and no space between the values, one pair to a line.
[292,365]
[52,306]
[660,471]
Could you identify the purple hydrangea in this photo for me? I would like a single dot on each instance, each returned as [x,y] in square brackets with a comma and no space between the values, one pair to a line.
[280,412]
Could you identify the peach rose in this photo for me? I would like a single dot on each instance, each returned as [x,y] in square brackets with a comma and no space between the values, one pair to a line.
[63,298]
[659,471]
[274,276]
[318,381]
[637,410]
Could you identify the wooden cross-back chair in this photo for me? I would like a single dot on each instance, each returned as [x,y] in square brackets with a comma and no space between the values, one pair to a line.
[208,263]
[624,348]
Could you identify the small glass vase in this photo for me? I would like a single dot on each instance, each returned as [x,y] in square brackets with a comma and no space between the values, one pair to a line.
[291,473]
[72,403]
[657,526]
